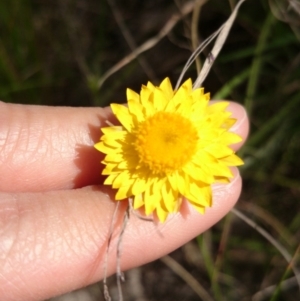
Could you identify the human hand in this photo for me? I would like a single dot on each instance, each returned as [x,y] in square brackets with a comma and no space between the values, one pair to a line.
[54,214]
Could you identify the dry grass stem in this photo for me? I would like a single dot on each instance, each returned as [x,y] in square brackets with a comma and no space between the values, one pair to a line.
[194,30]
[120,274]
[221,249]
[136,213]
[286,284]
[187,277]
[222,36]
[272,240]
[135,282]
[194,56]
[110,234]
[269,291]
[269,219]
[130,40]
[186,9]
[287,11]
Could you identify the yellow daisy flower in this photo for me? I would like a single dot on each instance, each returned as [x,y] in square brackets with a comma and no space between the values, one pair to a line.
[170,146]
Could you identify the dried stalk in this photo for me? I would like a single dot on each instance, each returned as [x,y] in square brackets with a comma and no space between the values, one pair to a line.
[130,40]
[187,277]
[221,35]
[107,296]
[218,46]
[272,240]
[186,9]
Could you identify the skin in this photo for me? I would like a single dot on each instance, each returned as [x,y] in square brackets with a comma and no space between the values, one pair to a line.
[55,215]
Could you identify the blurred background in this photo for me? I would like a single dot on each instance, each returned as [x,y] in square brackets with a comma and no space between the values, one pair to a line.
[83,53]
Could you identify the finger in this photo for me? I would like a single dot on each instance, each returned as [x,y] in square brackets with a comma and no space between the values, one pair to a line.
[51,148]
[54,242]
[48,148]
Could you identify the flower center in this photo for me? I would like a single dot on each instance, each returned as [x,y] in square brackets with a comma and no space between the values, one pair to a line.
[165,142]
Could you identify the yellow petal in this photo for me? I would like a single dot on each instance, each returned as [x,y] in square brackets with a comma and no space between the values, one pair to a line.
[131,95]
[123,115]
[150,86]
[211,165]
[113,141]
[166,87]
[202,194]
[114,157]
[159,100]
[169,197]
[109,168]
[123,177]
[217,119]
[217,107]
[150,200]
[218,150]
[150,203]
[172,179]
[157,184]
[111,130]
[198,94]
[197,173]
[185,108]
[184,91]
[228,123]
[228,138]
[182,185]
[188,85]
[232,160]
[200,103]
[146,100]
[110,179]
[128,162]
[139,186]
[136,109]
[207,134]
[123,193]
[138,201]
[161,214]
[103,148]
